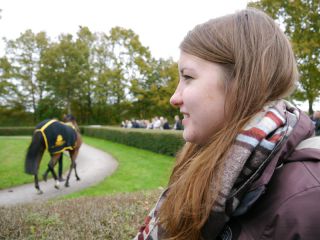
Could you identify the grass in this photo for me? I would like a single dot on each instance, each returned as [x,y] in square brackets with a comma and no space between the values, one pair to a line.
[137,170]
[103,211]
[12,155]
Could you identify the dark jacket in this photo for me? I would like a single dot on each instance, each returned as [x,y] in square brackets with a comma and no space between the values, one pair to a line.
[317,125]
[284,203]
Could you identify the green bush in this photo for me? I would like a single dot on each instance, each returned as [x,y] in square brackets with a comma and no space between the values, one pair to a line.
[111,217]
[163,142]
[16,131]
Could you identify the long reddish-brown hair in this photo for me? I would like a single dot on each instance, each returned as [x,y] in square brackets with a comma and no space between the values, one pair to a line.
[259,67]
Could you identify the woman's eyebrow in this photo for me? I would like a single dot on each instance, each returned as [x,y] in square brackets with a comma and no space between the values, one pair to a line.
[182,70]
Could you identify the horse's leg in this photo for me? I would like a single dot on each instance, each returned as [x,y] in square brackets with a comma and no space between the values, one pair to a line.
[75,170]
[51,165]
[69,173]
[73,155]
[36,182]
[76,152]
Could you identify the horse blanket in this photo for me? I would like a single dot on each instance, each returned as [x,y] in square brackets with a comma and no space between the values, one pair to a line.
[58,136]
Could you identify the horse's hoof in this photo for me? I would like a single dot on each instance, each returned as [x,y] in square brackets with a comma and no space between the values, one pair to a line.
[39,192]
[67,185]
[57,185]
[78,179]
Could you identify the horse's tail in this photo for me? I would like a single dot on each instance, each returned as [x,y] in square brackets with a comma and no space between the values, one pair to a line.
[34,154]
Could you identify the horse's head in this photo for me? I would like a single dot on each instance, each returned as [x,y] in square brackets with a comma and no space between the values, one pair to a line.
[70,118]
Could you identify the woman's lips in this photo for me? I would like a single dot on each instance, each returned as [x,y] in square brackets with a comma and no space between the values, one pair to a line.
[185,119]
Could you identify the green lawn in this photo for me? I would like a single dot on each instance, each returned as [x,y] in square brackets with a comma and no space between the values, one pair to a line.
[138,169]
[12,155]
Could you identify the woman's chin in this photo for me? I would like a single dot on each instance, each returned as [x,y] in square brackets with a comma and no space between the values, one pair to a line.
[188,136]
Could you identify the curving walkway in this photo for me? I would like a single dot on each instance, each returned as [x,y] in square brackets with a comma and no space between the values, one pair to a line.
[93,166]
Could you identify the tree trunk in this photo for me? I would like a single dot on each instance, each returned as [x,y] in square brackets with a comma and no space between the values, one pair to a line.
[310,102]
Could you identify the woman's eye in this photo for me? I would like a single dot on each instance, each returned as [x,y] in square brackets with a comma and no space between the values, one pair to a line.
[186,77]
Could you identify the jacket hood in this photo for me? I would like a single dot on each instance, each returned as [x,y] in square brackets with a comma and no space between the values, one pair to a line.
[294,149]
[301,138]
[301,145]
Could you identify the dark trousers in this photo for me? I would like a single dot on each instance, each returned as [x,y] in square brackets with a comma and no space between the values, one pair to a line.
[60,167]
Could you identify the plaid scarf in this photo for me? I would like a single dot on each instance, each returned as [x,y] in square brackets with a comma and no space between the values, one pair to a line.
[253,149]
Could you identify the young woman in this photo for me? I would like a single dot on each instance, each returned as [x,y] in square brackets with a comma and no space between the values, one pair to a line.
[250,167]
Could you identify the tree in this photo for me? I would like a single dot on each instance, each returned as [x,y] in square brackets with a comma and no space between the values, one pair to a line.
[5,69]
[153,95]
[11,110]
[9,92]
[101,78]
[122,59]
[131,57]
[84,101]
[24,55]
[301,20]
[62,66]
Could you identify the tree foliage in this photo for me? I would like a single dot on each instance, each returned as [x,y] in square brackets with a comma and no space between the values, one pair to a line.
[23,56]
[102,78]
[301,21]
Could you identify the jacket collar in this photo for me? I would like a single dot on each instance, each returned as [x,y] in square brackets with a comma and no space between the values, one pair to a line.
[292,150]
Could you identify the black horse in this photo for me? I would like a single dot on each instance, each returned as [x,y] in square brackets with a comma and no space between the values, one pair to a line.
[56,137]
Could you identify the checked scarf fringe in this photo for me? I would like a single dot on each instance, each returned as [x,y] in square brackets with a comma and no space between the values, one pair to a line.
[251,152]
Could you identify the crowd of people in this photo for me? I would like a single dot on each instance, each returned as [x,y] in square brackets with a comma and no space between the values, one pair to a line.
[160,123]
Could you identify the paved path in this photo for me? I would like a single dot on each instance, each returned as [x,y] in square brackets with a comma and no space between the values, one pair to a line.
[93,166]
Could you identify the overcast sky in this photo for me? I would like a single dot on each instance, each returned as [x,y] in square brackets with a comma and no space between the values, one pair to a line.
[160,24]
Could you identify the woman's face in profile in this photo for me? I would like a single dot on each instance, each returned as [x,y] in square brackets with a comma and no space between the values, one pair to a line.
[200,96]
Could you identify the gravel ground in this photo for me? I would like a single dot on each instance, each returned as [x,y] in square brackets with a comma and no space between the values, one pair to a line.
[93,166]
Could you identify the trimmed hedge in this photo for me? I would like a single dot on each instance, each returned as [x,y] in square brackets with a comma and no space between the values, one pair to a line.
[16,131]
[165,142]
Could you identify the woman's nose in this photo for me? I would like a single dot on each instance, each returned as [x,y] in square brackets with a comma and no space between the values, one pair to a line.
[176,99]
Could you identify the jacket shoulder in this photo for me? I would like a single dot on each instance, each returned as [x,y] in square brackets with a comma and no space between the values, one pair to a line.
[294,193]
[289,207]
[297,217]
